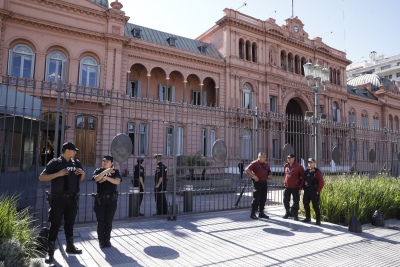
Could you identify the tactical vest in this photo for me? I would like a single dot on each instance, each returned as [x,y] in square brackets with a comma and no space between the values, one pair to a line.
[57,184]
[310,180]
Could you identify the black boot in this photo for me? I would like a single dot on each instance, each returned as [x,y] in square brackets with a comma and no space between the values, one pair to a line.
[71,248]
[253,215]
[287,215]
[295,215]
[263,215]
[50,252]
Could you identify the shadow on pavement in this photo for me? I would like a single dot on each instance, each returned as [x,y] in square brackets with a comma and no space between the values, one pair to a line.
[114,257]
[161,252]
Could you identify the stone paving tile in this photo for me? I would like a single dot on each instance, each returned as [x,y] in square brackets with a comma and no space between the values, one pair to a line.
[231,238]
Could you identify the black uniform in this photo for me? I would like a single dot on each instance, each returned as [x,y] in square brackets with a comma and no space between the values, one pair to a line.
[312,185]
[64,196]
[161,200]
[138,171]
[105,205]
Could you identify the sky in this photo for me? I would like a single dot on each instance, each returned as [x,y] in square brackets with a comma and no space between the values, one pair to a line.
[356,27]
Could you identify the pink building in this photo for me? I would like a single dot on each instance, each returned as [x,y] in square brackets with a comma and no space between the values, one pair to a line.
[122,77]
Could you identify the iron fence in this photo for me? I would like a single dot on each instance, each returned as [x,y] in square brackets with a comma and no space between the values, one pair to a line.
[37,117]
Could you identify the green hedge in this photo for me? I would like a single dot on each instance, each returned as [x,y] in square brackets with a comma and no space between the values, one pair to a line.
[17,241]
[345,196]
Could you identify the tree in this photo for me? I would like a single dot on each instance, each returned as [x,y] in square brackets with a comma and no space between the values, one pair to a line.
[193,162]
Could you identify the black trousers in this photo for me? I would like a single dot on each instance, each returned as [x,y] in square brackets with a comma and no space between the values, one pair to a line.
[105,211]
[310,195]
[287,193]
[62,208]
[259,196]
[138,184]
[161,201]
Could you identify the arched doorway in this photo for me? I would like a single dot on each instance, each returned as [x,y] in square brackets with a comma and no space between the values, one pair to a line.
[297,132]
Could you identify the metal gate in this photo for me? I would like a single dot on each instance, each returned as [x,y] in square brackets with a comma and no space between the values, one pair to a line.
[37,117]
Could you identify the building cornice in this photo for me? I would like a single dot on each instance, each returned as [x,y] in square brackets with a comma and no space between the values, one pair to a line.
[168,62]
[154,50]
[280,38]
[67,29]
[74,8]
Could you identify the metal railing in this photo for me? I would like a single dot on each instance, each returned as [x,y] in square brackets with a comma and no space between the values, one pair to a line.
[35,118]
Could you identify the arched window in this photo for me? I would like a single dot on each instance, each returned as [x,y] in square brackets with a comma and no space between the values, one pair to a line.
[254,52]
[330,75]
[303,61]
[376,121]
[364,119]
[247,145]
[297,64]
[283,60]
[241,48]
[248,49]
[55,66]
[247,97]
[334,76]
[396,123]
[21,61]
[89,72]
[352,117]
[335,112]
[290,62]
[338,77]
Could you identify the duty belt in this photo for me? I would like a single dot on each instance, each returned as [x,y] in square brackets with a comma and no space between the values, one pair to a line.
[98,196]
[262,182]
[53,195]
[107,196]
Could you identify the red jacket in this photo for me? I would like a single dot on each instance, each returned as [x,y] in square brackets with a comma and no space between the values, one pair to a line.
[294,175]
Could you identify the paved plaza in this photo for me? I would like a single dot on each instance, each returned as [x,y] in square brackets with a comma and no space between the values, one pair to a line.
[231,238]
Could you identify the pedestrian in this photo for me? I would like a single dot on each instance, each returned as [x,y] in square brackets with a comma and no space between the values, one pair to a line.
[259,171]
[312,184]
[294,172]
[241,169]
[107,178]
[64,172]
[138,180]
[160,181]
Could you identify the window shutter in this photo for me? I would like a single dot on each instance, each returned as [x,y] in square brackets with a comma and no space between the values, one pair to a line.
[160,92]
[98,76]
[173,93]
[204,98]
[139,88]
[338,115]
[10,60]
[32,66]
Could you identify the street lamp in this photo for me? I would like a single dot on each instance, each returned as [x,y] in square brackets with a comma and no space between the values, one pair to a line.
[319,75]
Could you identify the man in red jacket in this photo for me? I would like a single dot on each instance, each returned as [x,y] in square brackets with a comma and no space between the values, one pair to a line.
[312,183]
[294,174]
[259,171]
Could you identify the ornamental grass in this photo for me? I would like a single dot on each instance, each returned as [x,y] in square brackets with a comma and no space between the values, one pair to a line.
[345,196]
[17,241]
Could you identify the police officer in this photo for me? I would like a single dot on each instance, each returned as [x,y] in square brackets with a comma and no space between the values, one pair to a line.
[138,179]
[107,178]
[241,169]
[312,183]
[64,173]
[259,171]
[294,173]
[160,180]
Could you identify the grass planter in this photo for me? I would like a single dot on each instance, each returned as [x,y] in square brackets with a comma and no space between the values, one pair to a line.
[345,196]
[17,241]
